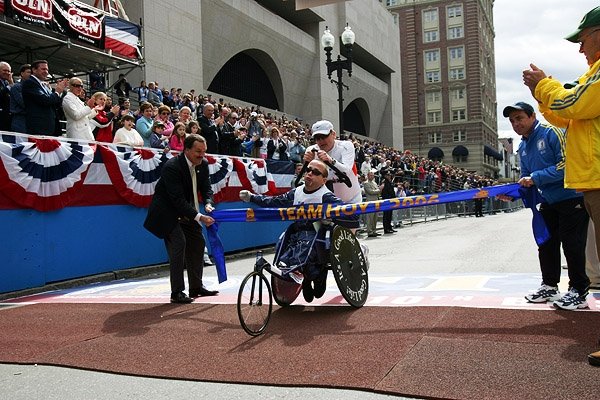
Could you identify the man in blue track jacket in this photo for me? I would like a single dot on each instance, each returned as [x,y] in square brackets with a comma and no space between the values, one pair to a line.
[542,165]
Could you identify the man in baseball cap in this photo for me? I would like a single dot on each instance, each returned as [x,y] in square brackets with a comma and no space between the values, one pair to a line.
[518,106]
[592,18]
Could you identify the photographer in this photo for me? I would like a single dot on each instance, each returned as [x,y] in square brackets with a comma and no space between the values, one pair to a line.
[122,87]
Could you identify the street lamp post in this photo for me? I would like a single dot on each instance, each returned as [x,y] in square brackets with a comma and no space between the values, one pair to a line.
[327,41]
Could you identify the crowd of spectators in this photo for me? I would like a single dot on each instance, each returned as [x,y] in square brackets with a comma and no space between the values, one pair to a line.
[162,118]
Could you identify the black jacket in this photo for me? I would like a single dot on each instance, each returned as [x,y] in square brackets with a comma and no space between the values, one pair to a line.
[173,197]
[210,132]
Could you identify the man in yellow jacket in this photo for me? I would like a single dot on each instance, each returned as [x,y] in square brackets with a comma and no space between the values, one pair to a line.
[576,108]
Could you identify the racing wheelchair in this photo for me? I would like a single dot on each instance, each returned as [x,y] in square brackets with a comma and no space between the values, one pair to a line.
[304,254]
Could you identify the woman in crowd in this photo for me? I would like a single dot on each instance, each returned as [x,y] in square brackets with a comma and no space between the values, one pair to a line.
[127,134]
[77,113]
[185,115]
[142,92]
[178,136]
[102,122]
[144,123]
[163,115]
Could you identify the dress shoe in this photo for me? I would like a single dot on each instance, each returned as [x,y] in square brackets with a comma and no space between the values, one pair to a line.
[373,234]
[594,359]
[180,298]
[390,231]
[202,292]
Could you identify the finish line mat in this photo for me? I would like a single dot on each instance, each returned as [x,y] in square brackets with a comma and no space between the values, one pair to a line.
[486,290]
[433,352]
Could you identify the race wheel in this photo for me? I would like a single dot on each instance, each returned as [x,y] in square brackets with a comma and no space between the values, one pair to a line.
[254,303]
[349,266]
[284,291]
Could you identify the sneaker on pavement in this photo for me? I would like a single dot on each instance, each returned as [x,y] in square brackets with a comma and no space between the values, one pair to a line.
[572,300]
[543,294]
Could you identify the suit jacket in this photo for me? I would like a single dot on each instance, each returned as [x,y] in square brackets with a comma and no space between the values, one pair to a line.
[210,132]
[173,197]
[40,108]
[4,106]
[78,117]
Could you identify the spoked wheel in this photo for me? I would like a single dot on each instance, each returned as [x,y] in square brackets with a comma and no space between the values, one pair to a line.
[284,291]
[254,303]
[349,266]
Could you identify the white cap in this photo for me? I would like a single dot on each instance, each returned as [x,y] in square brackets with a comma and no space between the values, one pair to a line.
[253,114]
[323,127]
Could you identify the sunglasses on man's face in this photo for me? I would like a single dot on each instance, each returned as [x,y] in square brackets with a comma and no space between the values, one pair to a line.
[321,137]
[313,171]
[77,85]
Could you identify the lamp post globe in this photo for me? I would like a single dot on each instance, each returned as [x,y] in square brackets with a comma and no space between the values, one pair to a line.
[348,36]
[327,40]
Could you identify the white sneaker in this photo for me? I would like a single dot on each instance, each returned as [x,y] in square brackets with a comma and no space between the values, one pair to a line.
[572,300]
[543,294]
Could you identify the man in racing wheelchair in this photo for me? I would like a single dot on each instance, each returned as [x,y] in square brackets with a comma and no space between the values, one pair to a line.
[313,191]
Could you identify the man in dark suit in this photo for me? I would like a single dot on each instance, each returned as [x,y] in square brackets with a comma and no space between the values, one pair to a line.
[6,82]
[173,216]
[41,102]
[209,128]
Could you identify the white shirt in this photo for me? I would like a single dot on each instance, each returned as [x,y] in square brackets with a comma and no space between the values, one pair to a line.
[129,137]
[343,153]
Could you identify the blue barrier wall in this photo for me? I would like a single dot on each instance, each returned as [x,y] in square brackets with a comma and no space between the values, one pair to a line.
[43,247]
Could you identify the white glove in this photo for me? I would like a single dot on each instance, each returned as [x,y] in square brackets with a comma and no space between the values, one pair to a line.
[209,208]
[245,195]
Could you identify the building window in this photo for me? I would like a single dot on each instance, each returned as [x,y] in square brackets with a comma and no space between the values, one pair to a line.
[459,115]
[430,16]
[433,97]
[458,94]
[459,159]
[455,11]
[432,55]
[391,3]
[430,36]
[434,117]
[456,73]
[432,76]
[460,136]
[456,53]
[435,137]
[456,32]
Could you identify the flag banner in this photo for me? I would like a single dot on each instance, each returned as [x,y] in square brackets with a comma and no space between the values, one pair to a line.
[71,18]
[326,211]
[48,174]
[122,37]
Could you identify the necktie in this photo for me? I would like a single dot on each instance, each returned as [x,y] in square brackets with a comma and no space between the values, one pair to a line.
[194,187]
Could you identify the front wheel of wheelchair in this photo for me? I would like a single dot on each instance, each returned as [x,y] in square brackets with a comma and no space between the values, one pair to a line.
[254,303]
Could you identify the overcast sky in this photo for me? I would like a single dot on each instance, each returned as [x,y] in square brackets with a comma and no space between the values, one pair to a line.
[533,31]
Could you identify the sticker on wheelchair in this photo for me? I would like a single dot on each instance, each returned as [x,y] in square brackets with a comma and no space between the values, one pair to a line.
[349,266]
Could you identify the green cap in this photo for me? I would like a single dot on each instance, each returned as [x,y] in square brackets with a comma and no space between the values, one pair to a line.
[592,18]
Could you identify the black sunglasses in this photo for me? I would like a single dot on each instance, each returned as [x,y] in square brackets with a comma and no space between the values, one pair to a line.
[320,137]
[77,85]
[314,171]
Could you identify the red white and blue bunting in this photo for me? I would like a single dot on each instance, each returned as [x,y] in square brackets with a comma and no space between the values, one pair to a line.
[47,174]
